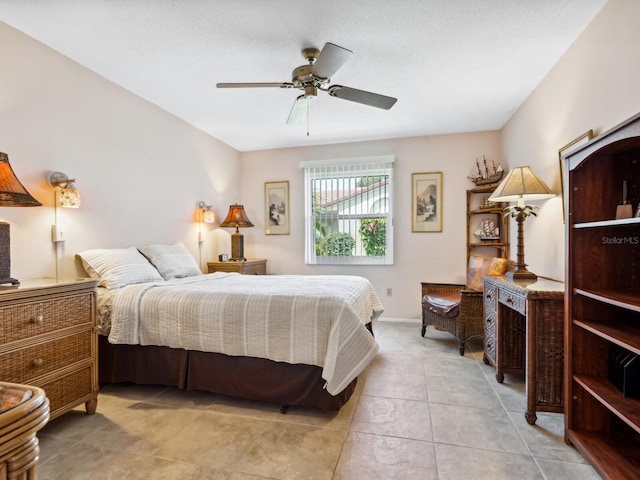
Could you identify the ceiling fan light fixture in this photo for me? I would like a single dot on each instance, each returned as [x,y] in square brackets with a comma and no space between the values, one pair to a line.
[315,76]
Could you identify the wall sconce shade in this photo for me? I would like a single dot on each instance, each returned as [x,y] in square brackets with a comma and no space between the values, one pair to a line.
[68,195]
[206,212]
[236,217]
[519,185]
[12,194]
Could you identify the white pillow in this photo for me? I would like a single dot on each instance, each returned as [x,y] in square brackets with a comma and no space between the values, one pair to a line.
[117,267]
[172,261]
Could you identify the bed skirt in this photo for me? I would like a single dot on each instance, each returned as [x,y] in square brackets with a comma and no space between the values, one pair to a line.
[244,377]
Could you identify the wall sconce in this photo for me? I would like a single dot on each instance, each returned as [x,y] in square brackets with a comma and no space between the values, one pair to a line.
[237,218]
[206,213]
[12,194]
[67,195]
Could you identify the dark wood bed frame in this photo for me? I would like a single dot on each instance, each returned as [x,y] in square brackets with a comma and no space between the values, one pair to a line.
[244,377]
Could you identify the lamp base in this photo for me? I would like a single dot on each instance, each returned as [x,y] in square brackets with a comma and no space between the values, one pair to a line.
[11,281]
[237,248]
[521,273]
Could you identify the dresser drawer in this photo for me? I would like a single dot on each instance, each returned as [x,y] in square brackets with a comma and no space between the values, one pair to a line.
[513,301]
[32,362]
[21,321]
[70,389]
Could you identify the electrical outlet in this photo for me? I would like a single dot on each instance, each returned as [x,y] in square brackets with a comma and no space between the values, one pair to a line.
[57,233]
[389,291]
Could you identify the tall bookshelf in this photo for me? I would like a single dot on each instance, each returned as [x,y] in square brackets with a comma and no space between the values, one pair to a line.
[602,318]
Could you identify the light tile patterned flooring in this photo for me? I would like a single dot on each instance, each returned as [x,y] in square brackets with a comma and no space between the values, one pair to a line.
[421,411]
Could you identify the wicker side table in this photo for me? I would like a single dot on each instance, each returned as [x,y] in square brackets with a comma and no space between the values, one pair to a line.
[529,338]
[24,410]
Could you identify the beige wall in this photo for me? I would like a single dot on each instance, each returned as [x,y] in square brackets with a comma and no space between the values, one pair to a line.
[595,85]
[140,170]
[417,256]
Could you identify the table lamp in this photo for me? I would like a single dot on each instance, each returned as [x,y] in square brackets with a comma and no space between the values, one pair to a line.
[12,194]
[237,218]
[519,185]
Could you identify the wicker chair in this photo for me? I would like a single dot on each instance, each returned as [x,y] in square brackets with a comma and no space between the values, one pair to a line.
[458,309]
[453,308]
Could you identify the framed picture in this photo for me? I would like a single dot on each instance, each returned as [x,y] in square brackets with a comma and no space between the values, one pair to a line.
[581,140]
[276,208]
[426,202]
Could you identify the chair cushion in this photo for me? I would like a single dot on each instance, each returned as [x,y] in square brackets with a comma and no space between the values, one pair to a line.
[445,304]
[480,267]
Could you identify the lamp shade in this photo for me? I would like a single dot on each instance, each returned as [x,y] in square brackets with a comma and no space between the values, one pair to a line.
[12,193]
[236,217]
[521,184]
[70,197]
[67,195]
[208,216]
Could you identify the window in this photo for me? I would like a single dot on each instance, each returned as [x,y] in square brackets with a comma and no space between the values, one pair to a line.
[348,205]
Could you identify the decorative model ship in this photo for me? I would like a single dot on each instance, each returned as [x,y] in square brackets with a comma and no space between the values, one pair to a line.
[487,231]
[486,172]
[485,203]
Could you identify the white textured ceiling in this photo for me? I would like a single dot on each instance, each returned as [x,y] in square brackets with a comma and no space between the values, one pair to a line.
[454,65]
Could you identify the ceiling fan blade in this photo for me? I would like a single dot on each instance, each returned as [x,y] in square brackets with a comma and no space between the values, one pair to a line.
[254,85]
[299,110]
[360,96]
[331,58]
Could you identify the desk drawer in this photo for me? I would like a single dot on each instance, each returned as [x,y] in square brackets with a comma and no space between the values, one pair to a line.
[490,348]
[490,299]
[513,301]
[490,323]
[32,362]
[27,320]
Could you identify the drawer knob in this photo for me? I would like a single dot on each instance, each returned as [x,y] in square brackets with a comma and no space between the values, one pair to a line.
[37,362]
[39,320]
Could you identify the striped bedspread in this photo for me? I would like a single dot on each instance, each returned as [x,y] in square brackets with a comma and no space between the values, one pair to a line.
[309,319]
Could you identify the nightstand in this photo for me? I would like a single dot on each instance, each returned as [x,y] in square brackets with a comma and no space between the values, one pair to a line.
[252,266]
[49,340]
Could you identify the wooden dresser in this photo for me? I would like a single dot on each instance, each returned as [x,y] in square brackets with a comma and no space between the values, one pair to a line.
[524,334]
[48,339]
[252,266]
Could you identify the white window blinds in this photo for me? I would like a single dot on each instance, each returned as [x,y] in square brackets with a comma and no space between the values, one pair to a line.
[348,211]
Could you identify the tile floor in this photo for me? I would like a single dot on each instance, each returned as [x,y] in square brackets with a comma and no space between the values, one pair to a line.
[421,411]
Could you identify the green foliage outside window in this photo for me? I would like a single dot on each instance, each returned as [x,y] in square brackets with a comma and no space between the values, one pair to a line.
[373,234]
[337,244]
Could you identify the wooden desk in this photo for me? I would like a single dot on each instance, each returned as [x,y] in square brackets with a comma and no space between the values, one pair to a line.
[23,411]
[524,334]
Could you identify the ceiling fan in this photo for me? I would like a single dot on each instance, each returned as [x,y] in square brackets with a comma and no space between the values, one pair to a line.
[315,76]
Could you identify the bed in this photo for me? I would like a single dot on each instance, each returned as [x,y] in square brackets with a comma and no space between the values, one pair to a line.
[288,339]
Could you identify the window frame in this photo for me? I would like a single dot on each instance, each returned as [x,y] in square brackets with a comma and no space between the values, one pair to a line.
[362,166]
